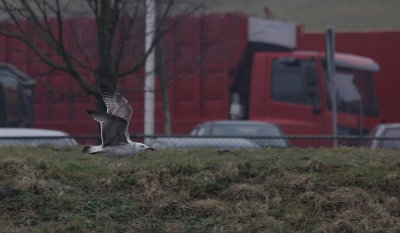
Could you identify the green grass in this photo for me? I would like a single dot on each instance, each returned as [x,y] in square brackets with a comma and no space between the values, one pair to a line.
[269,190]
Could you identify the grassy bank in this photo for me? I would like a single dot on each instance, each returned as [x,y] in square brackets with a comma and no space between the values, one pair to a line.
[46,189]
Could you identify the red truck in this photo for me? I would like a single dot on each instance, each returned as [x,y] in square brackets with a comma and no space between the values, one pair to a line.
[275,83]
[291,90]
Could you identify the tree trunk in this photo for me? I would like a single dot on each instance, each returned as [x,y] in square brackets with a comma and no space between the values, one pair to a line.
[106,72]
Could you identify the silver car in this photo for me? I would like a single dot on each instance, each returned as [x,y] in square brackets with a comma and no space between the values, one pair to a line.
[390,131]
[264,134]
[34,137]
[196,142]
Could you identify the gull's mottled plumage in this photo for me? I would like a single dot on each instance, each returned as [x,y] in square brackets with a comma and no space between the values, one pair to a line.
[114,126]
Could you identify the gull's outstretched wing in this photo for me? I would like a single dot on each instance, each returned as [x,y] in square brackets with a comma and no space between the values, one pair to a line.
[116,104]
[112,128]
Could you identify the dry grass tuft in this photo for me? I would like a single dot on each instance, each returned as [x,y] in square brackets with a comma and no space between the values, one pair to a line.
[346,198]
[313,200]
[23,175]
[209,208]
[342,226]
[165,206]
[244,192]
[392,205]
[173,227]
[12,167]
[228,170]
[300,183]
[152,189]
[316,165]
[244,210]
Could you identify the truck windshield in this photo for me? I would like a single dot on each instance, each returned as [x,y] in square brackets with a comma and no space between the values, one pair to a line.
[355,91]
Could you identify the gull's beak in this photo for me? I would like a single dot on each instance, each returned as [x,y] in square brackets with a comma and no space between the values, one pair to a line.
[150,148]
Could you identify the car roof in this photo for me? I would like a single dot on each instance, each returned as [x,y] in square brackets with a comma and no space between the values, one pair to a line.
[193,142]
[241,122]
[390,125]
[30,132]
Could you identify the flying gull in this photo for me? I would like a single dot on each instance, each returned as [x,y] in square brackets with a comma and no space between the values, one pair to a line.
[114,126]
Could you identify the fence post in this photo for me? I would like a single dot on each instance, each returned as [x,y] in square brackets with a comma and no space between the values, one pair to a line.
[149,69]
[331,68]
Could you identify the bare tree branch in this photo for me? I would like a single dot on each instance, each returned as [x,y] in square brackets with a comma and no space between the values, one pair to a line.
[125,36]
[116,28]
[156,39]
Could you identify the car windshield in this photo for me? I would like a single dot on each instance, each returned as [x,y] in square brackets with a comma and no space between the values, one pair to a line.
[249,131]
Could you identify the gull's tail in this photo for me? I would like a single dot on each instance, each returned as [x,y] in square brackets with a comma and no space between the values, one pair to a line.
[91,149]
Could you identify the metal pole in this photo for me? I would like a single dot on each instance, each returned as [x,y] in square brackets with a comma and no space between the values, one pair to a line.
[361,123]
[149,70]
[331,67]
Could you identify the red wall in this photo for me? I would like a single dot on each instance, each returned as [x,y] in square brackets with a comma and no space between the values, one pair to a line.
[199,54]
[383,47]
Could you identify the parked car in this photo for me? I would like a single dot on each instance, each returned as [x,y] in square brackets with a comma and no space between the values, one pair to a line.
[388,130]
[34,137]
[229,134]
[251,130]
[194,142]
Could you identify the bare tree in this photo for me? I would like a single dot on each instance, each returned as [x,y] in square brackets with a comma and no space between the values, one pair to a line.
[118,24]
[109,53]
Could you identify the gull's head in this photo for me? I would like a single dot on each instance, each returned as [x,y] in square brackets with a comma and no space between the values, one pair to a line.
[141,146]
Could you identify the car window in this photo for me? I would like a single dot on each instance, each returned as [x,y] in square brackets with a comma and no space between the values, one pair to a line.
[200,130]
[194,131]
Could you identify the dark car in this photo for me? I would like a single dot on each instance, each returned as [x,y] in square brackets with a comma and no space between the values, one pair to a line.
[16,97]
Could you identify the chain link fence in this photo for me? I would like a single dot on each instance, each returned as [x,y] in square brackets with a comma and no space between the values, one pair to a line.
[219,142]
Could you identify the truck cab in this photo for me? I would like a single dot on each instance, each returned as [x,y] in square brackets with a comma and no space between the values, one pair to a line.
[291,89]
